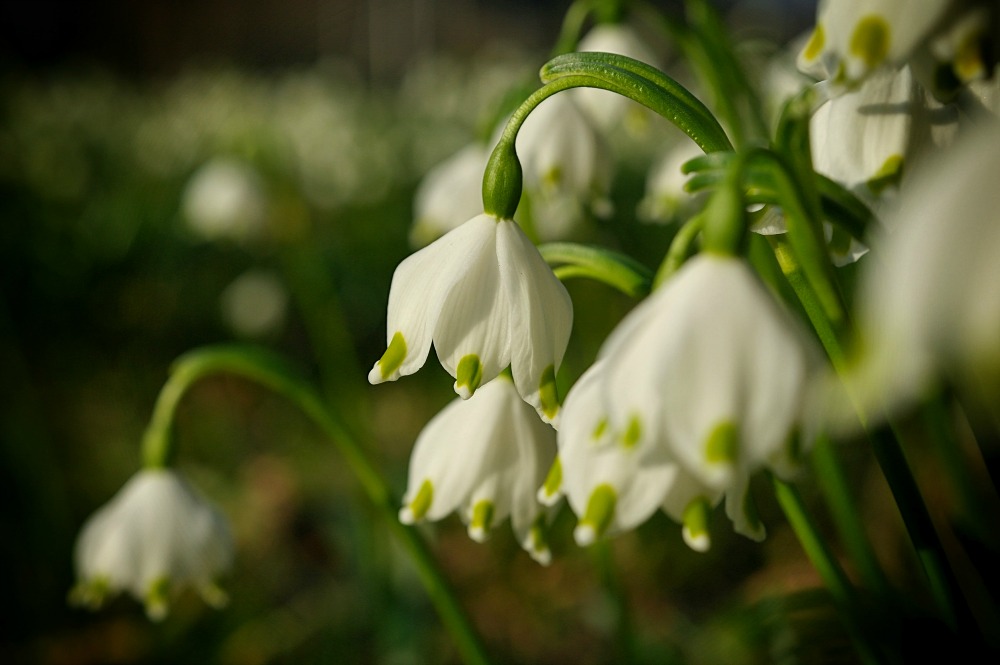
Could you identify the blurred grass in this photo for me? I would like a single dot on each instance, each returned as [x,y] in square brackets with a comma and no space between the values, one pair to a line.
[103,281]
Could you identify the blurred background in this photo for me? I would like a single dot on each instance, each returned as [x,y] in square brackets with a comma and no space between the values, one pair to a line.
[175,174]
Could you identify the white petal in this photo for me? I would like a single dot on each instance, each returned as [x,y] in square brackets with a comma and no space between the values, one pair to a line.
[541,318]
[449,194]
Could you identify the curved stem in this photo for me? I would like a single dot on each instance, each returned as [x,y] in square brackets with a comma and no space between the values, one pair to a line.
[272,372]
[618,271]
[681,247]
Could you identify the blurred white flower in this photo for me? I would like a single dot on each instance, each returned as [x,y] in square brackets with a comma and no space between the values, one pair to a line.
[155,537]
[666,200]
[224,199]
[930,305]
[606,108]
[486,298]
[450,193]
[707,375]
[567,167]
[484,457]
[255,304]
[854,37]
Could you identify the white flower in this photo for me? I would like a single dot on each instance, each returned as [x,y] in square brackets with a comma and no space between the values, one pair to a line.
[854,37]
[155,537]
[485,297]
[666,199]
[604,107]
[255,304]
[449,194]
[225,199]
[612,483]
[567,166]
[931,304]
[484,457]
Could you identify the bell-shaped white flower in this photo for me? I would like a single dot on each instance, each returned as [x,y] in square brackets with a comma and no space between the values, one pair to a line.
[225,199]
[450,193]
[611,481]
[714,367]
[486,299]
[666,200]
[931,305]
[484,457]
[567,167]
[155,537]
[854,37]
[607,108]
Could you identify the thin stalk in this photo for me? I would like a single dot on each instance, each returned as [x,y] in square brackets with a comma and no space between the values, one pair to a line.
[272,372]
[828,568]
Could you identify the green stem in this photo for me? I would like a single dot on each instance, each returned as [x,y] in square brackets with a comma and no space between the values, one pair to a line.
[838,493]
[826,565]
[681,247]
[885,445]
[273,373]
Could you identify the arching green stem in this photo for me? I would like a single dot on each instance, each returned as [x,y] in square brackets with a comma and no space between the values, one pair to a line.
[272,372]
[681,247]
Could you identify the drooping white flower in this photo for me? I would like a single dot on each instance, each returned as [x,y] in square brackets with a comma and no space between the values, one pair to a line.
[567,167]
[854,37]
[712,366]
[450,193]
[155,537]
[486,299]
[255,304]
[607,108]
[930,305]
[611,481]
[484,457]
[666,199]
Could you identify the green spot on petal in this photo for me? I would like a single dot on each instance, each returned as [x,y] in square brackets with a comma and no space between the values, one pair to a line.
[482,515]
[156,598]
[469,375]
[538,539]
[600,509]
[816,43]
[553,481]
[870,40]
[888,175]
[422,501]
[393,357]
[696,524]
[600,429]
[547,392]
[632,433]
[723,444]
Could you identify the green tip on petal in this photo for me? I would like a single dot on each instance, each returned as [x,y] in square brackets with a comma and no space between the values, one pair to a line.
[388,365]
[754,527]
[633,433]
[214,595]
[552,489]
[91,593]
[469,376]
[695,531]
[887,176]
[547,392]
[870,40]
[597,518]
[538,544]
[599,429]
[156,599]
[418,507]
[723,444]
[482,520]
[816,43]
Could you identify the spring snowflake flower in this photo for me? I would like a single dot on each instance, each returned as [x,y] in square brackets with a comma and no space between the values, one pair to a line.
[567,167]
[449,194]
[666,200]
[486,299]
[606,108]
[702,385]
[155,537]
[484,457]
[931,305]
[613,484]
[853,38]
